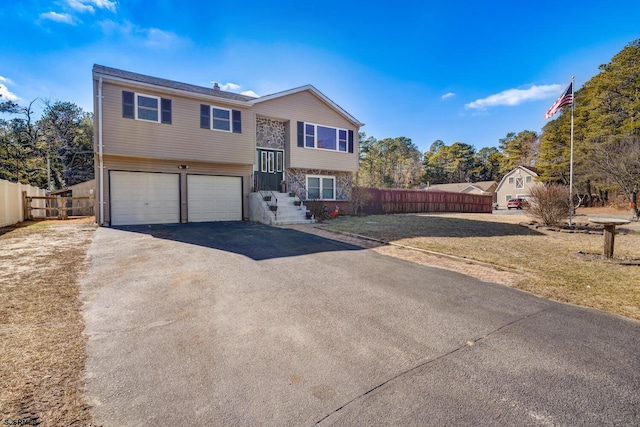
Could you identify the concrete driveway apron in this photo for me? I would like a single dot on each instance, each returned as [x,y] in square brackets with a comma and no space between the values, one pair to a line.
[243,324]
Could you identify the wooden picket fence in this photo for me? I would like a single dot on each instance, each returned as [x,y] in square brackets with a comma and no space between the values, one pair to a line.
[57,207]
[388,201]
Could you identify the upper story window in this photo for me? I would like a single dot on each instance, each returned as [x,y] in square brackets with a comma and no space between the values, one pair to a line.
[311,135]
[519,182]
[219,118]
[149,108]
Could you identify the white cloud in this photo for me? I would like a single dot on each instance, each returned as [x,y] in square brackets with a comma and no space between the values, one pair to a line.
[233,87]
[6,94]
[80,6]
[513,97]
[155,37]
[63,18]
[229,86]
[136,35]
[103,4]
[448,95]
[88,5]
[6,80]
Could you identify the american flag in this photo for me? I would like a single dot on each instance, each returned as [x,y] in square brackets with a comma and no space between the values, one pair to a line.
[565,99]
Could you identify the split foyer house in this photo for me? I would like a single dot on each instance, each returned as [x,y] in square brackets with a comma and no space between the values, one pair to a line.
[516,184]
[171,152]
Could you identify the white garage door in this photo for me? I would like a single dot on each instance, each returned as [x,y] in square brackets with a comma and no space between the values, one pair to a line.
[214,198]
[144,198]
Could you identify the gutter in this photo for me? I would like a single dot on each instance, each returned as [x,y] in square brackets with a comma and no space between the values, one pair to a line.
[101,160]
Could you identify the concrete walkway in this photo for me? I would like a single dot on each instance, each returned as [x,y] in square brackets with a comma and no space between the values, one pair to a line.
[241,324]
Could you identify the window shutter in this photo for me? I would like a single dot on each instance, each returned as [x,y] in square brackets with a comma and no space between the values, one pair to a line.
[300,134]
[128,105]
[165,105]
[237,121]
[205,116]
[351,141]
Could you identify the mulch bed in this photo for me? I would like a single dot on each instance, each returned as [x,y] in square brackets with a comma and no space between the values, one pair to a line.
[585,228]
[599,257]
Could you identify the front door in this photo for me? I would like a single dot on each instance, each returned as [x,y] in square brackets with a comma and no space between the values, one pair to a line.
[269,174]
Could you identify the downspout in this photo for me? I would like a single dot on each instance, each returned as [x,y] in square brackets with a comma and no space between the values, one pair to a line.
[101,167]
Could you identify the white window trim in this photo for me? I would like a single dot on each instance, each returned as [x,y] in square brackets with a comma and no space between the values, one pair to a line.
[321,188]
[135,106]
[263,161]
[230,118]
[315,138]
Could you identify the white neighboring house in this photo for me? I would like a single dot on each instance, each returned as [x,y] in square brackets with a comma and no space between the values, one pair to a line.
[516,184]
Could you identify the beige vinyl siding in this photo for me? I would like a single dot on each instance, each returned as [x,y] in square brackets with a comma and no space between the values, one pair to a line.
[133,164]
[183,139]
[306,107]
[505,188]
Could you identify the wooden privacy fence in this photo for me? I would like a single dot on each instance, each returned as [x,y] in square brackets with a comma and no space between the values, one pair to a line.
[57,207]
[388,201]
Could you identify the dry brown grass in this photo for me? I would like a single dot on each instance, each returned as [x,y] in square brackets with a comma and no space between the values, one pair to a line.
[41,326]
[549,256]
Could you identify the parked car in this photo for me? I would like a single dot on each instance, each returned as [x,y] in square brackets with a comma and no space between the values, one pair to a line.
[515,203]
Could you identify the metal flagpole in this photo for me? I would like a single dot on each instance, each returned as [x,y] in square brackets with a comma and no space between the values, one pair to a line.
[571,157]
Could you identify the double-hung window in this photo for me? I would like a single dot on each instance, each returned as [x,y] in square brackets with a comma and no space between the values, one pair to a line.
[322,137]
[321,187]
[219,118]
[149,108]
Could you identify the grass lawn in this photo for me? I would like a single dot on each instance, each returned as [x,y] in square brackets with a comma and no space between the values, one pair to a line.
[550,257]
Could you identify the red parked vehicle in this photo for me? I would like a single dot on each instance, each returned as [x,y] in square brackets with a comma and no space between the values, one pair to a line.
[515,203]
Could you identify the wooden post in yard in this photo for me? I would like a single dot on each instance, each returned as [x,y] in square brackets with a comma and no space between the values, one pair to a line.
[609,225]
[609,238]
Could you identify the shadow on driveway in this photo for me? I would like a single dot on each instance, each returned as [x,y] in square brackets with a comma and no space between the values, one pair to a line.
[403,226]
[256,241]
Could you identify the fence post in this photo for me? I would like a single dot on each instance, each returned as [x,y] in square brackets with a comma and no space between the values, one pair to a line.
[62,203]
[25,206]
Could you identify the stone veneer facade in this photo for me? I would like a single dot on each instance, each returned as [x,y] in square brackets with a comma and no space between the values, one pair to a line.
[297,182]
[270,133]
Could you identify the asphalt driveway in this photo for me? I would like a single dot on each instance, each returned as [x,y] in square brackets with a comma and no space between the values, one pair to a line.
[243,324]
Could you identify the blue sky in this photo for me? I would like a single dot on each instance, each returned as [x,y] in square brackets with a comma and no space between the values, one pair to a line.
[465,71]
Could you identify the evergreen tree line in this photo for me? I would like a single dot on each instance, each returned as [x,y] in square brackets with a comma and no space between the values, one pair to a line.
[606,144]
[55,150]
[398,163]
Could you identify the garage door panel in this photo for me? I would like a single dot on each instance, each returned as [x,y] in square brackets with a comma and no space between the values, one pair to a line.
[214,198]
[144,198]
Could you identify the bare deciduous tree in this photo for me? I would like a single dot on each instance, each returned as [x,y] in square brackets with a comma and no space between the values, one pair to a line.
[619,160]
[548,203]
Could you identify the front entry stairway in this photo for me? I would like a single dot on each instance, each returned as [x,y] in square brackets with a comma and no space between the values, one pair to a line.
[272,208]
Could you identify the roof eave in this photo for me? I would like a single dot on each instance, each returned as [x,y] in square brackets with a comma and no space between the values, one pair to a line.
[108,77]
[317,93]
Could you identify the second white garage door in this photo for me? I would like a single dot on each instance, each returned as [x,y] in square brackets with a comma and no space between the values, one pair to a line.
[214,198]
